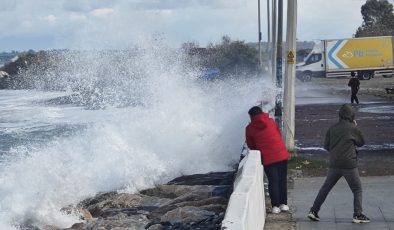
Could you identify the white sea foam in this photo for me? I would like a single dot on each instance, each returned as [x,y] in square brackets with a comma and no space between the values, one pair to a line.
[179,126]
[365,147]
[378,109]
[310,148]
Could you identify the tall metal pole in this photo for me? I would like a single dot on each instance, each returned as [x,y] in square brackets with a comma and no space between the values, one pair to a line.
[279,45]
[260,58]
[273,41]
[279,72]
[268,24]
[289,84]
[268,49]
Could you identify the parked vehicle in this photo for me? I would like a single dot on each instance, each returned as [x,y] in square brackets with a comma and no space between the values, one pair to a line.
[210,74]
[368,56]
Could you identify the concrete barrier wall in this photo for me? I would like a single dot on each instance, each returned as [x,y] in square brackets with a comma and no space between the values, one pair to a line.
[246,207]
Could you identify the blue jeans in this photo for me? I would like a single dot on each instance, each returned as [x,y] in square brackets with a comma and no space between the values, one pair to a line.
[277,182]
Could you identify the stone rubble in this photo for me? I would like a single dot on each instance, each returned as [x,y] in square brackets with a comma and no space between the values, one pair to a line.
[188,202]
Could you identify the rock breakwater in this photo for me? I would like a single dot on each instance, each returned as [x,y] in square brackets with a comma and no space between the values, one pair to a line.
[188,202]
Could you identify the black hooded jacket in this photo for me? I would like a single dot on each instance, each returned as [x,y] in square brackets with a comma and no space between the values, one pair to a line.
[341,140]
[354,83]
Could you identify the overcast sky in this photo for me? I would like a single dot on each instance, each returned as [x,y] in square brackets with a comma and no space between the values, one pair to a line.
[49,24]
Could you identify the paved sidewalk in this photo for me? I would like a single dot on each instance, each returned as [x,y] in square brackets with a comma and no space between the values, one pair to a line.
[337,210]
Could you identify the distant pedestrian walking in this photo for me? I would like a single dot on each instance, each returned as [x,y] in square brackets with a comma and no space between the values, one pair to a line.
[354,83]
[263,134]
[341,141]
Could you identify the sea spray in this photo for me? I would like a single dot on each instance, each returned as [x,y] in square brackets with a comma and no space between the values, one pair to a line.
[146,119]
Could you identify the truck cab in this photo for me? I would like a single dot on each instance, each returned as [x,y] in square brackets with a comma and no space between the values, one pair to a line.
[313,64]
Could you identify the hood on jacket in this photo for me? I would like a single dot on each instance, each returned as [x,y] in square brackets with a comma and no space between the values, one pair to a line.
[258,120]
[346,113]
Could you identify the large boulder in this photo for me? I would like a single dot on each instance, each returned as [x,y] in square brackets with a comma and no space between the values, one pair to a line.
[180,191]
[188,214]
[213,178]
[118,201]
[136,222]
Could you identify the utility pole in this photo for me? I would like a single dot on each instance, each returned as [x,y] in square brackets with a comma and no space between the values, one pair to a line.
[268,33]
[268,24]
[273,41]
[260,58]
[289,84]
[279,72]
[279,44]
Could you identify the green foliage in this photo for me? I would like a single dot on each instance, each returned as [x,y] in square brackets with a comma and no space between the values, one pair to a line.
[378,19]
[231,57]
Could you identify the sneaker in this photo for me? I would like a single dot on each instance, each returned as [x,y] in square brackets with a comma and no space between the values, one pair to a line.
[284,207]
[313,216]
[275,210]
[361,218]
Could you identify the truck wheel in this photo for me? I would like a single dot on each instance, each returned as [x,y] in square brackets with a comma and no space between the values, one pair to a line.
[388,76]
[307,76]
[365,76]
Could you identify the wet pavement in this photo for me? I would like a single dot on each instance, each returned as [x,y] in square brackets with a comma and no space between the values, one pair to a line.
[337,210]
[317,105]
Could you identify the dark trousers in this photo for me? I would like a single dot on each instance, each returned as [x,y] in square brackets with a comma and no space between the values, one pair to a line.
[352,177]
[354,97]
[277,182]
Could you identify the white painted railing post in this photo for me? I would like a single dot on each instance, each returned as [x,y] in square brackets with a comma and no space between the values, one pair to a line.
[246,207]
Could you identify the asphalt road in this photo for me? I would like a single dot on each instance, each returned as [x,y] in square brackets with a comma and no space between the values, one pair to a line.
[317,105]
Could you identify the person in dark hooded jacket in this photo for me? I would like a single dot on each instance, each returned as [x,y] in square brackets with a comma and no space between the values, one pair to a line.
[354,84]
[263,134]
[341,141]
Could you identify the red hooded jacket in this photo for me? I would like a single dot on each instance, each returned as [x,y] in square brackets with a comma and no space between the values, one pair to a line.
[263,134]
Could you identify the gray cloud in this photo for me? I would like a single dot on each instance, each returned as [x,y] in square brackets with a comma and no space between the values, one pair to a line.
[7,5]
[118,23]
[86,5]
[179,4]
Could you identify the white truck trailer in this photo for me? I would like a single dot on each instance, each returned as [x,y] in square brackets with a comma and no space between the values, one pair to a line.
[368,57]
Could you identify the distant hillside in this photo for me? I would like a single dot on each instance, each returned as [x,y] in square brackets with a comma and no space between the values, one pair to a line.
[20,66]
[6,57]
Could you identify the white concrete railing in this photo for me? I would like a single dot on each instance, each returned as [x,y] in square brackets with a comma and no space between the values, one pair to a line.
[246,207]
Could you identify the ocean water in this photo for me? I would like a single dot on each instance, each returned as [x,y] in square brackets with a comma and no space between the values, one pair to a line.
[114,122]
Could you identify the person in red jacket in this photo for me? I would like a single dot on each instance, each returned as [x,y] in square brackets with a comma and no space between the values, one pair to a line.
[263,134]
